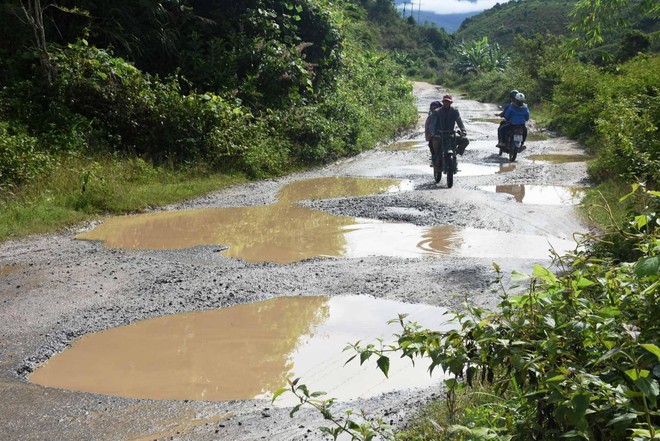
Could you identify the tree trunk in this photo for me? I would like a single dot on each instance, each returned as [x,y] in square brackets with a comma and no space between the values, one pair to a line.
[34,15]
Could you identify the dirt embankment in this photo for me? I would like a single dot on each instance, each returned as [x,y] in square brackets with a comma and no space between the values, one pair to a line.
[54,288]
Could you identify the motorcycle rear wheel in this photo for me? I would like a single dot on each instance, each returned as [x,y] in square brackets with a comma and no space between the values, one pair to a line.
[450,171]
[513,153]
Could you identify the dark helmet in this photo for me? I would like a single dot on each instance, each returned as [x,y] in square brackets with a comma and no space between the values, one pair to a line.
[435,105]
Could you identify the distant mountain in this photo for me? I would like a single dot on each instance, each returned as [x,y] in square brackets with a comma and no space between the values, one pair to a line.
[503,22]
[449,22]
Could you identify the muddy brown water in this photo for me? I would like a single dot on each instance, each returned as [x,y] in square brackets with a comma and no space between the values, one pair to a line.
[558,158]
[245,351]
[286,232]
[283,232]
[403,146]
[540,194]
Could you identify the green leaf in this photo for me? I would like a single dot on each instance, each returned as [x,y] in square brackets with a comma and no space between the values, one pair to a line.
[544,274]
[635,375]
[294,410]
[648,266]
[641,221]
[555,378]
[384,364]
[517,275]
[648,387]
[583,283]
[609,312]
[580,404]
[277,393]
[364,356]
[626,417]
[653,349]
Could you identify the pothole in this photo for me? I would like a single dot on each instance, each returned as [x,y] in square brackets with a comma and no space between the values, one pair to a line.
[558,158]
[245,352]
[539,194]
[405,145]
[8,269]
[286,232]
[464,169]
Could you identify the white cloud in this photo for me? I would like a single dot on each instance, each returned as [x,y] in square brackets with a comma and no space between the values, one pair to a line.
[453,6]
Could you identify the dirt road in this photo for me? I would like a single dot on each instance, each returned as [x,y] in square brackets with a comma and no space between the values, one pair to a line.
[54,288]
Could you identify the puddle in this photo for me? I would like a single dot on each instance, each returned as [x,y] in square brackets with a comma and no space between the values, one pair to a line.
[337,187]
[537,136]
[489,120]
[283,232]
[286,232]
[405,145]
[477,169]
[465,169]
[559,159]
[244,352]
[540,194]
[4,270]
[507,167]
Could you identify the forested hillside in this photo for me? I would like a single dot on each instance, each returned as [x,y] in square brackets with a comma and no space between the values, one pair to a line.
[528,18]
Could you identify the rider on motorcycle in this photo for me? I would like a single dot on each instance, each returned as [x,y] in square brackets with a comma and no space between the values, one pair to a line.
[435,105]
[500,129]
[516,114]
[441,124]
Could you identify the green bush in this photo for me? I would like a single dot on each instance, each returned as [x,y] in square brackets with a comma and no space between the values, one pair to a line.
[20,161]
[617,115]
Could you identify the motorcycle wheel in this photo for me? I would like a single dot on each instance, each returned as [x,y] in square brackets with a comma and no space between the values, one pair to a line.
[513,152]
[437,173]
[450,171]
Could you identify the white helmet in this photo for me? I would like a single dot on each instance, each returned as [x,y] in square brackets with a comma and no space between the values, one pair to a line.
[520,97]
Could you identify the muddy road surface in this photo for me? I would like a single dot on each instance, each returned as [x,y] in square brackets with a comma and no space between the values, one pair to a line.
[55,289]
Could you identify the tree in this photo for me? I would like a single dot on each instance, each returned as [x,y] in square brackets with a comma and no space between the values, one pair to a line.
[34,13]
[593,18]
[480,56]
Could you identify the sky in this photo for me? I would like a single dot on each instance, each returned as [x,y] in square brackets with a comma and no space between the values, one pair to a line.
[454,6]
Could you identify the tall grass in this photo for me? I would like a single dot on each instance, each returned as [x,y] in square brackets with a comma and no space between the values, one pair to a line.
[79,189]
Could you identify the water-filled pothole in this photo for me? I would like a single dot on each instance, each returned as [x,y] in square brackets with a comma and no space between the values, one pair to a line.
[283,232]
[537,136]
[404,145]
[540,194]
[245,351]
[4,270]
[558,158]
[464,169]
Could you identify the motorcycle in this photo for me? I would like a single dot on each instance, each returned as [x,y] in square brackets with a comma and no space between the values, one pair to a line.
[512,141]
[445,161]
